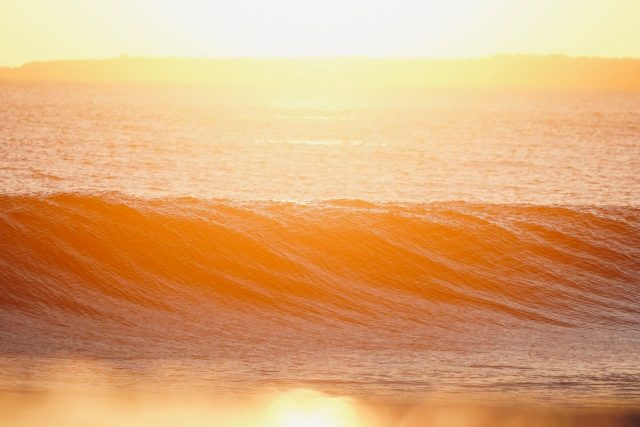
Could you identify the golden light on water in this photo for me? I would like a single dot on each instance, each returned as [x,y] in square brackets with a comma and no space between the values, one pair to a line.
[306,408]
[426,211]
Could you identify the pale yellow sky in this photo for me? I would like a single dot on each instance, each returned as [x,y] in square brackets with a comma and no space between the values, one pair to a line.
[33,30]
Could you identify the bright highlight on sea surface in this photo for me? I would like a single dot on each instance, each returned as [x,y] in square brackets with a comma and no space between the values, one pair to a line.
[340,213]
[306,408]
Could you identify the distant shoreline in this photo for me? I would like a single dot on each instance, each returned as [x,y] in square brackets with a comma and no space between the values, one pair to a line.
[331,74]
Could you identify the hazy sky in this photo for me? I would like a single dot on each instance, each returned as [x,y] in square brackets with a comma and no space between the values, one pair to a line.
[62,29]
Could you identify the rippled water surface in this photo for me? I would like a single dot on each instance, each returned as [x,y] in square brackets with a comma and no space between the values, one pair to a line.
[391,247]
[440,145]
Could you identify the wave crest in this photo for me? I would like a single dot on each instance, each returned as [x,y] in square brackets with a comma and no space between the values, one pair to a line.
[346,265]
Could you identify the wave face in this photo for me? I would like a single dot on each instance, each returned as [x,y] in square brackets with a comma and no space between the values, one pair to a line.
[101,273]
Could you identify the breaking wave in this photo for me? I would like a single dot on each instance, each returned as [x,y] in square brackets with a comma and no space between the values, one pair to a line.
[133,271]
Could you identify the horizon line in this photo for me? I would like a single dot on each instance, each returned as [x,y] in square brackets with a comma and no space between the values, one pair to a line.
[326,57]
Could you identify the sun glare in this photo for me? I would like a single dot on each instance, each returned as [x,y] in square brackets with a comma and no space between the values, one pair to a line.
[304,408]
[83,29]
[330,28]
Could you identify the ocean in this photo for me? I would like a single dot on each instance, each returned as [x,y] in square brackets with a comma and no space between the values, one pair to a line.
[441,245]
